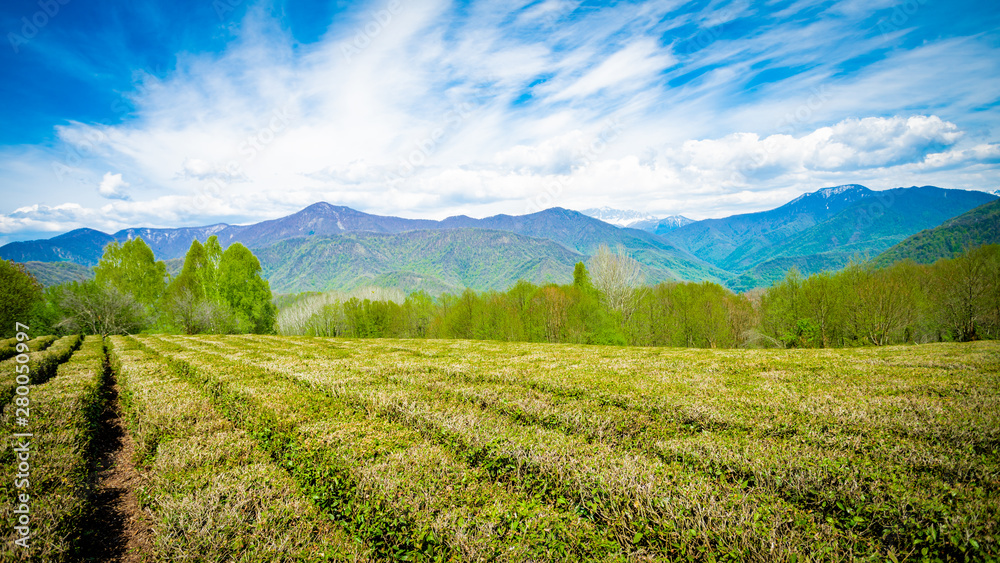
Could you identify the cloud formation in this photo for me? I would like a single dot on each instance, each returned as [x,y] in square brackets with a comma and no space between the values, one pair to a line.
[112,186]
[495,108]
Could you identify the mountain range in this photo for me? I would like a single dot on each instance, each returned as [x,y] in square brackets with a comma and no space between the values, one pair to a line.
[637,219]
[324,247]
[822,230]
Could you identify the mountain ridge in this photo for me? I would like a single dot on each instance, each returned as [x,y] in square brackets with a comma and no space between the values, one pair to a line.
[817,230]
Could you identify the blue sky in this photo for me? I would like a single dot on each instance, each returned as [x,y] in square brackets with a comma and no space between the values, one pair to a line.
[193,112]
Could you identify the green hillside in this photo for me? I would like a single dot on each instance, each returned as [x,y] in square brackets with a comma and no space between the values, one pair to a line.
[974,228]
[55,273]
[821,231]
[430,260]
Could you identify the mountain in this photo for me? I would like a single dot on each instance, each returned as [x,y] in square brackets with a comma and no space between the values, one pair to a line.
[432,260]
[637,219]
[724,242]
[971,229]
[664,225]
[81,246]
[821,230]
[816,231]
[618,217]
[572,231]
[584,235]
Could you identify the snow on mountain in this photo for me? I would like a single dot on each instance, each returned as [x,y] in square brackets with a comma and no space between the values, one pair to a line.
[619,217]
[637,219]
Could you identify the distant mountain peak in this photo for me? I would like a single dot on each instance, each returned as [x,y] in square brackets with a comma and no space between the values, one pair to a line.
[827,193]
[617,217]
[837,190]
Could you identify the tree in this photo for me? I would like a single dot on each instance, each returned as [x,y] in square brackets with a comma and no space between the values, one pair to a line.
[821,303]
[242,288]
[781,309]
[131,268]
[193,276]
[94,308]
[963,289]
[616,276]
[883,302]
[20,294]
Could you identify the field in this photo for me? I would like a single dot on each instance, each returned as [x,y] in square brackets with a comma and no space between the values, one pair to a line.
[259,448]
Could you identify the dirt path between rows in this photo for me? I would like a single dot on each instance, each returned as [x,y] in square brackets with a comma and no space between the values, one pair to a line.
[116,530]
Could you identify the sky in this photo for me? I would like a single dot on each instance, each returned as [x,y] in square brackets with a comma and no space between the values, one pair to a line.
[192,112]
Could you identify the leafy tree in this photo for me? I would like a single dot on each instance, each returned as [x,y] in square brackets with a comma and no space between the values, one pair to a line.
[821,303]
[20,296]
[782,310]
[883,302]
[131,268]
[191,282]
[244,290]
[963,291]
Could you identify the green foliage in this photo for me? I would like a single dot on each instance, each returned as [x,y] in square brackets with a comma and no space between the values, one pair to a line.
[20,295]
[195,276]
[978,227]
[860,305]
[131,268]
[220,291]
[239,285]
[55,273]
[66,400]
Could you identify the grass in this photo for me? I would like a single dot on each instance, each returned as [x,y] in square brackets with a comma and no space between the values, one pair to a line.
[262,448]
[62,416]
[211,494]
[627,453]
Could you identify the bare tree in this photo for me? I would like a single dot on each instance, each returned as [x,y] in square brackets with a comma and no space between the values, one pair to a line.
[617,276]
[98,309]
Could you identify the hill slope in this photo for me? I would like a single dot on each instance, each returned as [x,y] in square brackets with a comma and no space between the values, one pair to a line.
[974,228]
[430,260]
[822,230]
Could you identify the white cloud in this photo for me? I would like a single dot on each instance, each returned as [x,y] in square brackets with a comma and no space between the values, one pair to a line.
[625,71]
[482,114]
[113,187]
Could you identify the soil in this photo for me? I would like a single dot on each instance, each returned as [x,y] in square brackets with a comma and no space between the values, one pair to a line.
[117,530]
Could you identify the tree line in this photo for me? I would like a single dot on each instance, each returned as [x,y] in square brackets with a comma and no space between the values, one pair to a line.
[951,300]
[220,291]
[216,291]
